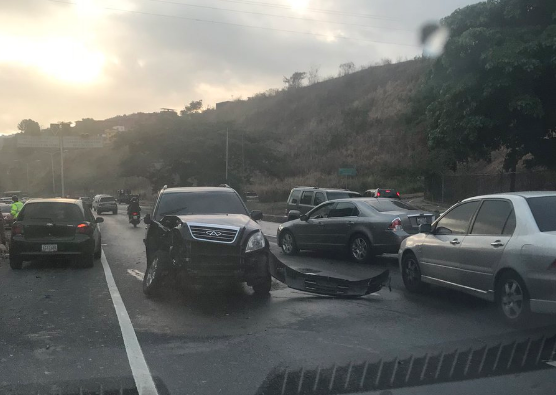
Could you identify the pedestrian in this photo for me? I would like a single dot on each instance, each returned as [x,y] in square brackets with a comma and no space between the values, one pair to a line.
[16,206]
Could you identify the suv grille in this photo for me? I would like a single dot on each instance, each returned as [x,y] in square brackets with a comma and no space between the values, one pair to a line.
[213,233]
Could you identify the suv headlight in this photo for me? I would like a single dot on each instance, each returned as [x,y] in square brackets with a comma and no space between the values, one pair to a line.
[256,242]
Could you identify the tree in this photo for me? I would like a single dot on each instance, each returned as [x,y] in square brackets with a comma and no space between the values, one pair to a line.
[193,107]
[493,87]
[346,68]
[313,75]
[30,127]
[295,81]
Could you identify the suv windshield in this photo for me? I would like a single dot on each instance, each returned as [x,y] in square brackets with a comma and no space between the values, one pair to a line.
[544,211]
[342,195]
[200,203]
[51,211]
[384,205]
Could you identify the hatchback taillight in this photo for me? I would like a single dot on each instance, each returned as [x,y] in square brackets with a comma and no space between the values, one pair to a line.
[396,225]
[83,228]
[397,194]
[17,229]
[378,194]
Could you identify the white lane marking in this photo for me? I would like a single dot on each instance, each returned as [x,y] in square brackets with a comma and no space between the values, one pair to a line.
[136,273]
[139,369]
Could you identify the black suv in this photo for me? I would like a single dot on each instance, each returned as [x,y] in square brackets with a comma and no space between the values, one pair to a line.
[303,199]
[205,235]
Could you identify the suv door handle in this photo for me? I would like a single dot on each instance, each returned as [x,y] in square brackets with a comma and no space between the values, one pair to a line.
[497,244]
[454,242]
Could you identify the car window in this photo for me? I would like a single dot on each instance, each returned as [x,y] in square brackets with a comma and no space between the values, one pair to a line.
[544,211]
[387,193]
[333,195]
[319,198]
[306,198]
[344,209]
[384,205]
[294,197]
[456,221]
[107,199]
[51,211]
[321,212]
[492,217]
[88,214]
[199,203]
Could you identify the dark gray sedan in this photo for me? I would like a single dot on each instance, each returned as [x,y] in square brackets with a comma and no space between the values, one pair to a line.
[363,226]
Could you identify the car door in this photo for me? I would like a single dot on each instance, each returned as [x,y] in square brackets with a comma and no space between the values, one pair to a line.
[306,202]
[440,252]
[482,248]
[319,198]
[337,228]
[310,234]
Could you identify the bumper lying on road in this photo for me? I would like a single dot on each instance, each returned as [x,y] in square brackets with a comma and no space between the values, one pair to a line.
[325,285]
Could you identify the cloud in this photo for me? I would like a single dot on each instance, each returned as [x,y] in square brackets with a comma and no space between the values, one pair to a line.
[65,62]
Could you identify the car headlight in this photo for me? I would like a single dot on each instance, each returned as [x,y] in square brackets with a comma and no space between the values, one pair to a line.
[256,242]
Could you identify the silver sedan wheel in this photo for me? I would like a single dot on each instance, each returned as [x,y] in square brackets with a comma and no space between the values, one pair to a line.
[512,299]
[412,271]
[359,248]
[151,272]
[287,243]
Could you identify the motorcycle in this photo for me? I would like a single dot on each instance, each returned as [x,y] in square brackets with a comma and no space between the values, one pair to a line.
[135,219]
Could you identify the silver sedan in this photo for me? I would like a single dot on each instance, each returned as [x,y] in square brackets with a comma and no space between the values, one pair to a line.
[362,226]
[498,247]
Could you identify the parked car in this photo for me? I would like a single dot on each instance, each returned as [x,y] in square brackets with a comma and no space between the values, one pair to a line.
[205,235]
[5,210]
[364,227]
[104,203]
[55,228]
[251,196]
[383,192]
[498,247]
[87,201]
[303,199]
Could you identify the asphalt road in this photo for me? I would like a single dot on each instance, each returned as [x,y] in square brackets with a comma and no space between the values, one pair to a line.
[59,325]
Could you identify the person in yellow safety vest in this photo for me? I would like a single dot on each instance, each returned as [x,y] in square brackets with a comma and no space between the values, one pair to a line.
[16,207]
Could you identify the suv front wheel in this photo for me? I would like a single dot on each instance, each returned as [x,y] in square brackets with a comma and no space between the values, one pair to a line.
[153,277]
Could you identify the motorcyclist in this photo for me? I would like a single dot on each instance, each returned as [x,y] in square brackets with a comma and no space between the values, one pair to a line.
[133,207]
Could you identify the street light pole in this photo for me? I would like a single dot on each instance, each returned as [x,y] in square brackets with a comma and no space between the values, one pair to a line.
[226,155]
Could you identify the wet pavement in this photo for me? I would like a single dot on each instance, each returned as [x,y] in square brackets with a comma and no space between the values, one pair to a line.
[59,324]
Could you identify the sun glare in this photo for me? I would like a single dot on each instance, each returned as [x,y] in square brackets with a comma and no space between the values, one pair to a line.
[299,5]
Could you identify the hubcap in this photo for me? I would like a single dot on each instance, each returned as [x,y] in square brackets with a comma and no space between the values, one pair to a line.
[151,272]
[412,272]
[359,248]
[512,299]
[287,243]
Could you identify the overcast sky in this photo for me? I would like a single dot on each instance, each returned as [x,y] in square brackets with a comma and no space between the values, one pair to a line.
[63,60]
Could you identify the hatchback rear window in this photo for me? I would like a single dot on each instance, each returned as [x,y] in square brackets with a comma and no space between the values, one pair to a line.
[389,205]
[107,199]
[51,211]
[544,211]
[388,193]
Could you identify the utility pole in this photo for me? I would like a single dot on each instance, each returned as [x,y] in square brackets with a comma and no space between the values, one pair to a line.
[226,155]
[53,182]
[62,166]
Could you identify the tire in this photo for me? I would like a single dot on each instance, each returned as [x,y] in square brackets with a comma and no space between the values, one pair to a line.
[98,252]
[411,273]
[512,298]
[87,261]
[289,246]
[153,277]
[360,248]
[134,225]
[16,263]
[262,287]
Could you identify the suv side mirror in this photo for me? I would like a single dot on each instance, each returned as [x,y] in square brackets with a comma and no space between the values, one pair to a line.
[147,219]
[304,217]
[99,220]
[425,228]
[256,215]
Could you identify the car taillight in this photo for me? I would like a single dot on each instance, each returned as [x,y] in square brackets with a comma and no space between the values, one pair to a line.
[83,228]
[17,229]
[396,225]
[398,194]
[388,191]
[378,194]
[135,214]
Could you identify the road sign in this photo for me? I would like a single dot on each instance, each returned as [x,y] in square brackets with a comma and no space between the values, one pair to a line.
[348,171]
[54,142]
[38,142]
[80,142]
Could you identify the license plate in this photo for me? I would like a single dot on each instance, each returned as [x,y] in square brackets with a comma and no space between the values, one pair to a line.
[421,221]
[135,217]
[49,247]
